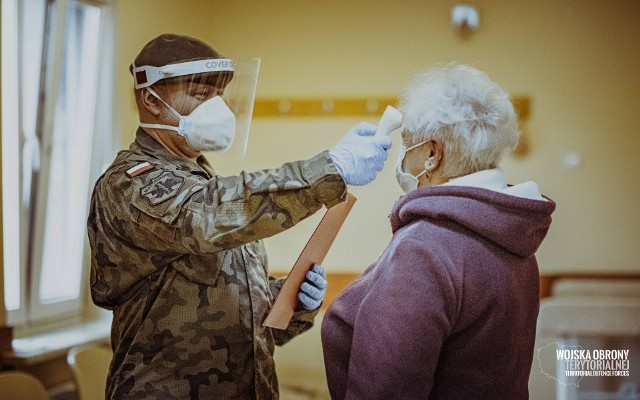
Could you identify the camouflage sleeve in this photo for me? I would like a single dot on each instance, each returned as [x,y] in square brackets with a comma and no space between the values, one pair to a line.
[186,213]
[302,320]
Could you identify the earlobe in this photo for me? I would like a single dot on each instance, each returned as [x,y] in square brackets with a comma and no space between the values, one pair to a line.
[433,159]
[430,164]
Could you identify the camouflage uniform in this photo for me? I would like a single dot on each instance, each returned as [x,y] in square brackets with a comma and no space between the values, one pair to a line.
[176,255]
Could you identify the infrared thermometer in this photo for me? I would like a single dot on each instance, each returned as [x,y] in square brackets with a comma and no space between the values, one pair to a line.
[390,121]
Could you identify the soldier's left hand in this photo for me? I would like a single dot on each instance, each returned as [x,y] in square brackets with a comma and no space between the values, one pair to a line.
[312,290]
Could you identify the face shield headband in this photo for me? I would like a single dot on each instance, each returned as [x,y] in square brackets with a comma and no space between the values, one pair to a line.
[147,75]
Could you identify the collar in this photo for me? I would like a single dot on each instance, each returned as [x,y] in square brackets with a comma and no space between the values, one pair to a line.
[151,147]
[493,179]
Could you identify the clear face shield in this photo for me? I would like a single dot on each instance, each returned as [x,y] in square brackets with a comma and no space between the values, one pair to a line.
[208,102]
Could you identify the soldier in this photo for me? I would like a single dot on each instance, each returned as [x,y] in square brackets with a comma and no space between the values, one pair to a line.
[176,250]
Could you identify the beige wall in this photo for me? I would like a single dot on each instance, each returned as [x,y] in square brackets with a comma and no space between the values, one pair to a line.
[577,61]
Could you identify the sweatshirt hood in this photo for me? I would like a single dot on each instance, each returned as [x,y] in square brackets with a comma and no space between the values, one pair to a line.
[515,218]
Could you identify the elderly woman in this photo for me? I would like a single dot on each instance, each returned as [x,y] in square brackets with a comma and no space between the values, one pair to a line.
[449,309]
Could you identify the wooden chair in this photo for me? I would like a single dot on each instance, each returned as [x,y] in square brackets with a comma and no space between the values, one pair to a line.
[18,385]
[90,366]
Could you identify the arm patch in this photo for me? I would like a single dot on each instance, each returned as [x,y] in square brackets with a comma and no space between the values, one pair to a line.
[163,187]
[139,169]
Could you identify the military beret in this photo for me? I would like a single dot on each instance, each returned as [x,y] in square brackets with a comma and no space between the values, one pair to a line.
[170,48]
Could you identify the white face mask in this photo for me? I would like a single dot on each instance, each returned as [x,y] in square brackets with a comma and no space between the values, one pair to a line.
[407,181]
[210,127]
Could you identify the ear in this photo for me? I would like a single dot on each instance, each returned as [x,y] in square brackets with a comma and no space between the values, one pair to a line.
[435,151]
[150,103]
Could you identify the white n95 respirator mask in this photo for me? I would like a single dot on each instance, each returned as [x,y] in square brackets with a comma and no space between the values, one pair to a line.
[210,127]
[407,181]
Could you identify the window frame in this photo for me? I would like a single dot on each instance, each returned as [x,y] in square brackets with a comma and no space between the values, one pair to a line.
[33,311]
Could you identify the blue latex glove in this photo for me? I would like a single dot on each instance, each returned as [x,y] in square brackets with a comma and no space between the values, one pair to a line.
[360,155]
[312,290]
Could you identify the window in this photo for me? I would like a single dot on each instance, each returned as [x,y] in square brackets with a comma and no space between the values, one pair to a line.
[56,139]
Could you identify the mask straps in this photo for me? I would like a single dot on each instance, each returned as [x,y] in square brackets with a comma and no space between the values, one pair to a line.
[415,146]
[153,92]
[422,173]
[179,128]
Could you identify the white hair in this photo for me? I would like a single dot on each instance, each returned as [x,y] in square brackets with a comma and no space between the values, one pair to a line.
[463,108]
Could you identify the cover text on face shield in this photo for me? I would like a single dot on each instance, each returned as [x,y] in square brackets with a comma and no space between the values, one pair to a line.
[215,64]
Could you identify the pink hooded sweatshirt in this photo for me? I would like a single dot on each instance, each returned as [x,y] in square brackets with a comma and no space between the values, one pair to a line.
[449,309]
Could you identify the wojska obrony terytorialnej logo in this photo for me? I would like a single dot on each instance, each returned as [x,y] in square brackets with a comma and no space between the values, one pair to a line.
[591,371]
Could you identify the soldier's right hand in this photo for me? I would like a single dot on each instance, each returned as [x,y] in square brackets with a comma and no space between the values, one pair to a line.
[361,154]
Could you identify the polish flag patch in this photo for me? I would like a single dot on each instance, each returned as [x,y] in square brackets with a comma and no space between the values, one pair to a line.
[139,169]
